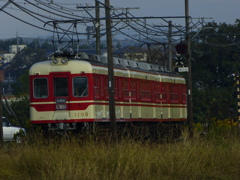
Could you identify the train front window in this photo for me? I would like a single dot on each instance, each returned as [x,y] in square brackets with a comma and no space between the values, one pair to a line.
[40,88]
[60,87]
[80,86]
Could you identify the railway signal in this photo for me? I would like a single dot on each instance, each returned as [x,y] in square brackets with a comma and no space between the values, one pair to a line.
[181,48]
[180,64]
[179,61]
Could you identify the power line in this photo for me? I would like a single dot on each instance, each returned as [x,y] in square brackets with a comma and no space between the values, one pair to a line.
[122,20]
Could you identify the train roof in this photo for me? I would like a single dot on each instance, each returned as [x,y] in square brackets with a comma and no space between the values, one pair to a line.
[119,63]
[122,63]
[126,64]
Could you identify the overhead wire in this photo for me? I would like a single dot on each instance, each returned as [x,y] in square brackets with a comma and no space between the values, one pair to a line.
[30,13]
[54,13]
[38,27]
[60,9]
[139,31]
[235,43]
[149,31]
[27,22]
[157,30]
[146,25]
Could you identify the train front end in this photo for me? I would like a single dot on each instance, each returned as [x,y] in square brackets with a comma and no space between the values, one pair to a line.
[59,95]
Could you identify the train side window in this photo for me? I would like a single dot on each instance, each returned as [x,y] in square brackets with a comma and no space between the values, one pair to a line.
[97,87]
[174,93]
[80,87]
[116,87]
[184,95]
[125,89]
[106,88]
[157,92]
[60,87]
[164,92]
[145,91]
[40,88]
[133,89]
[102,87]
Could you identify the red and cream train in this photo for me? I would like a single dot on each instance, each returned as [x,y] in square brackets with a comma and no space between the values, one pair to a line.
[71,93]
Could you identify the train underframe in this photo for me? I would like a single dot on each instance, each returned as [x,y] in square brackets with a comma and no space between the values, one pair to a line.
[156,131]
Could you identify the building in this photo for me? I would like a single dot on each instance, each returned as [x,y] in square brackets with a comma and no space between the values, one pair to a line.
[13,49]
[138,56]
[16,48]
[8,57]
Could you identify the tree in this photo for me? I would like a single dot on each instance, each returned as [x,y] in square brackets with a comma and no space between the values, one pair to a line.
[34,44]
[215,56]
[25,58]
[20,103]
[20,64]
[118,45]
[4,44]
[46,45]
[21,87]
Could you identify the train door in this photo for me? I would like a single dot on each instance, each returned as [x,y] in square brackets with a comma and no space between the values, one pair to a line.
[61,95]
[133,98]
[164,101]
[157,99]
[126,99]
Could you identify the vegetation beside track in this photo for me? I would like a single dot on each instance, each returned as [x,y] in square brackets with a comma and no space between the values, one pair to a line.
[215,156]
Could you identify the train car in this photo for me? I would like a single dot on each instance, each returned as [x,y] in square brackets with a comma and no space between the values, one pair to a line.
[71,93]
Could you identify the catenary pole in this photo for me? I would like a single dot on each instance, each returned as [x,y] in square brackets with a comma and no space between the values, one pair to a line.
[112,116]
[97,27]
[238,98]
[1,126]
[170,45]
[189,76]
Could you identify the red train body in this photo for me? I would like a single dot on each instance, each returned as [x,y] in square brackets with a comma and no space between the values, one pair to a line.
[72,93]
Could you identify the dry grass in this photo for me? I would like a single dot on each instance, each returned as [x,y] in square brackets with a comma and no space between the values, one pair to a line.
[208,158]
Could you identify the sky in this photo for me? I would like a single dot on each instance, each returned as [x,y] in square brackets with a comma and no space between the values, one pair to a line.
[220,11]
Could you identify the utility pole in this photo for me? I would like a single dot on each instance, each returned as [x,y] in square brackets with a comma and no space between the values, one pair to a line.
[170,45]
[1,127]
[238,98]
[97,27]
[112,116]
[189,76]
[96,24]
[17,54]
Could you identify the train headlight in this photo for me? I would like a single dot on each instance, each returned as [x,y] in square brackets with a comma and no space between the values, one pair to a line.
[55,61]
[64,60]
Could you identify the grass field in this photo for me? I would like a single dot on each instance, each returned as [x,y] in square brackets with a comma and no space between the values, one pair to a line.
[216,156]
